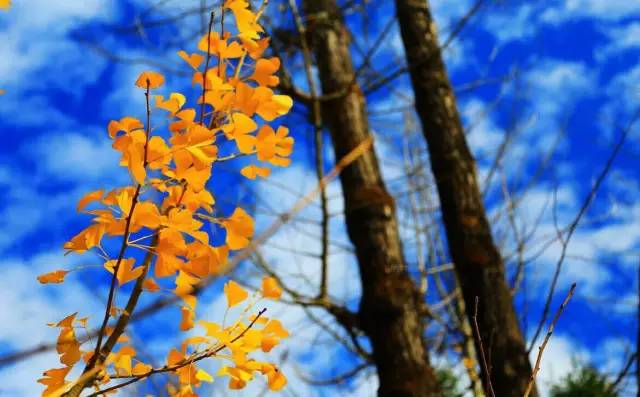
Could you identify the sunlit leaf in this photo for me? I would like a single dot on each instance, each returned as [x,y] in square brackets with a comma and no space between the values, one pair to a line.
[150,79]
[234,293]
[55,277]
[270,288]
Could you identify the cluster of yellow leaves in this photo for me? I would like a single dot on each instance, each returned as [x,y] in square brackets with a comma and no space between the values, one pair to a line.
[164,210]
[68,348]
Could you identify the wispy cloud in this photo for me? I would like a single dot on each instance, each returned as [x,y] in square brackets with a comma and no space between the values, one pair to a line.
[595,9]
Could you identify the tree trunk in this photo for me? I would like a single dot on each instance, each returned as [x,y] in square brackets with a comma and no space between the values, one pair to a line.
[478,263]
[389,312]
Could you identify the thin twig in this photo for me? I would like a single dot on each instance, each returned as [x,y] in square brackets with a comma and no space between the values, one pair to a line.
[574,224]
[485,366]
[536,369]
[170,368]
[206,68]
[316,115]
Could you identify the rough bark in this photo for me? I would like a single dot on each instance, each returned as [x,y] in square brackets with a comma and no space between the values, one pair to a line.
[478,263]
[389,312]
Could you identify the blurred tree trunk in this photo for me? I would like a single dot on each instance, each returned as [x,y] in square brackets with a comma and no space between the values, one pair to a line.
[478,263]
[389,312]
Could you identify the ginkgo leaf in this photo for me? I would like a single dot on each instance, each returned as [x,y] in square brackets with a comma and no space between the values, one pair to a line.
[150,285]
[5,4]
[187,318]
[166,265]
[185,283]
[126,272]
[203,375]
[86,239]
[252,171]
[53,379]
[276,106]
[126,124]
[275,379]
[238,376]
[122,360]
[255,47]
[141,369]
[147,215]
[268,342]
[240,130]
[234,293]
[173,104]
[88,198]
[270,288]
[150,79]
[65,322]
[239,228]
[194,60]
[275,327]
[158,153]
[55,277]
[219,46]
[265,70]
[246,21]
[174,357]
[136,163]
[68,347]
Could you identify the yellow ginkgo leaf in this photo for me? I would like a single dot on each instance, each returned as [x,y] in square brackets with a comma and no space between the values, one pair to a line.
[150,79]
[126,124]
[275,327]
[276,380]
[53,379]
[173,104]
[150,285]
[5,4]
[55,277]
[252,171]
[268,342]
[194,60]
[239,228]
[204,376]
[86,239]
[68,347]
[126,272]
[88,198]
[187,318]
[265,70]
[235,293]
[241,130]
[141,369]
[270,288]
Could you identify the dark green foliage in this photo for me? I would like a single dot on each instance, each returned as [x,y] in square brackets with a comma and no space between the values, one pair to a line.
[583,381]
[449,383]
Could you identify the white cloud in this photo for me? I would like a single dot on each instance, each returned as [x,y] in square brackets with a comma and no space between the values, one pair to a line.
[36,48]
[621,39]
[511,26]
[77,157]
[21,211]
[29,307]
[556,84]
[623,89]
[483,136]
[609,10]
[447,12]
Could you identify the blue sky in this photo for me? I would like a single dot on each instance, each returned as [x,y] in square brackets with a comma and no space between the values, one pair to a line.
[572,66]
